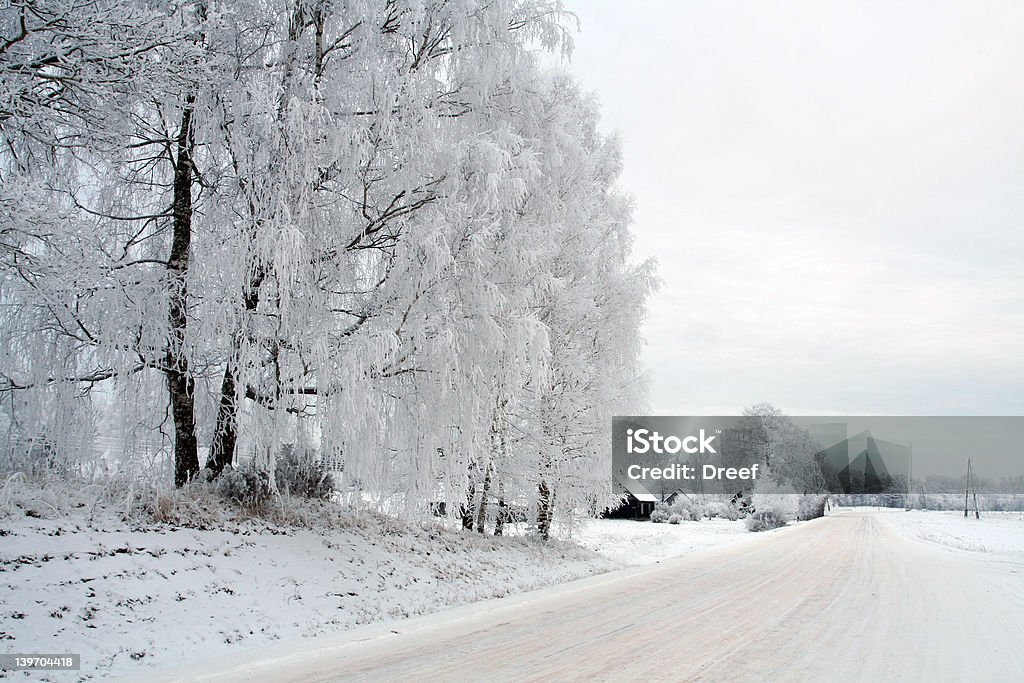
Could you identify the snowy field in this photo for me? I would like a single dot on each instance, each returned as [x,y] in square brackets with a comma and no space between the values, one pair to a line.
[996,533]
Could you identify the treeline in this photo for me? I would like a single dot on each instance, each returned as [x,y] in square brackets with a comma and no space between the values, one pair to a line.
[382,230]
[994,502]
[934,483]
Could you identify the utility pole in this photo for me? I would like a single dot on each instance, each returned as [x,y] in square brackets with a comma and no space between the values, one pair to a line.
[967,492]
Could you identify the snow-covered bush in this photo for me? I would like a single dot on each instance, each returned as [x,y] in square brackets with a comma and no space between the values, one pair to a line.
[770,494]
[37,458]
[676,512]
[810,506]
[694,508]
[300,473]
[246,486]
[744,504]
[691,507]
[765,519]
[660,513]
[721,508]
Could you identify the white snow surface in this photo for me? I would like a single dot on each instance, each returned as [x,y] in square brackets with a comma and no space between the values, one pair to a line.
[633,543]
[995,534]
[131,596]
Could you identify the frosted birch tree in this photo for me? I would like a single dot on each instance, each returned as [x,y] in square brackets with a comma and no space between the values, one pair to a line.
[381,228]
[592,303]
[382,172]
[98,137]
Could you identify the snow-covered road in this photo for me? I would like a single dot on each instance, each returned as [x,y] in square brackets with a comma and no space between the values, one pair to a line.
[846,597]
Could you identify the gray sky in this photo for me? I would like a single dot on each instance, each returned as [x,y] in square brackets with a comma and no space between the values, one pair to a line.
[834,192]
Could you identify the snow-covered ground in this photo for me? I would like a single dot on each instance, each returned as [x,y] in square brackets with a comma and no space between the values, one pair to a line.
[130,596]
[631,543]
[996,533]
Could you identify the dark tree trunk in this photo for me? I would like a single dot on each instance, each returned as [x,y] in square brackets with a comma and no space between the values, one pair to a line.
[467,509]
[180,383]
[499,519]
[225,432]
[481,516]
[186,452]
[225,436]
[545,508]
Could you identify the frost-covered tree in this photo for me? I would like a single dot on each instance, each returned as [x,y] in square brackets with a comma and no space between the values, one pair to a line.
[361,216]
[98,175]
[591,300]
[381,228]
[786,450]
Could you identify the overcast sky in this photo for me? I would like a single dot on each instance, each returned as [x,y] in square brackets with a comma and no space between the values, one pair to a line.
[834,192]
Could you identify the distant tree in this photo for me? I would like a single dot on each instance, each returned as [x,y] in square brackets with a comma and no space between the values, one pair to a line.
[786,450]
